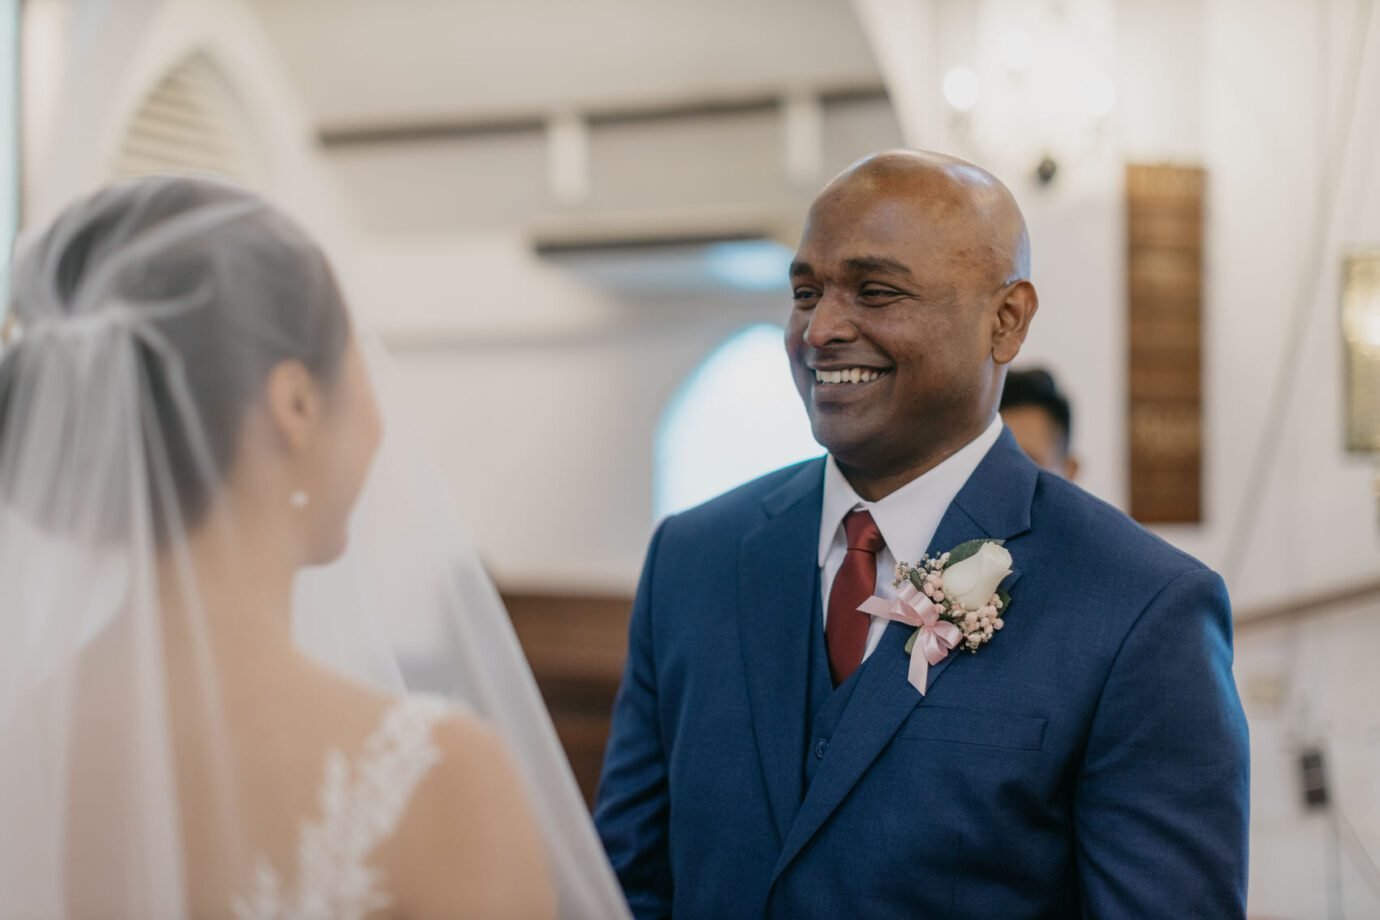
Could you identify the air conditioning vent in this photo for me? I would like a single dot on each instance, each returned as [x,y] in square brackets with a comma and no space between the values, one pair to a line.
[191,122]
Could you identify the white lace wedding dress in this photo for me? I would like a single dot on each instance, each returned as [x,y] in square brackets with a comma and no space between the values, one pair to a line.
[361,803]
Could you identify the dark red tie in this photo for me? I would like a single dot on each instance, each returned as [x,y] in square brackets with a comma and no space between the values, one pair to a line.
[845,632]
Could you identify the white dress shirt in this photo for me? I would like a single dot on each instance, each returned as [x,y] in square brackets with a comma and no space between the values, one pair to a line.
[907,519]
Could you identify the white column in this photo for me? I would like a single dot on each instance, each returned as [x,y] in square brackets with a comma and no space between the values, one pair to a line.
[567,158]
[803,118]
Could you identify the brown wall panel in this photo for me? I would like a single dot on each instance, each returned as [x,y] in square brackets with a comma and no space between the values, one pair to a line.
[1164,270]
[576,645]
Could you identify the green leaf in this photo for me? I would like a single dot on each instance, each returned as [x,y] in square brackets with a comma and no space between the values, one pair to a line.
[917,579]
[1005,603]
[968,550]
[910,645]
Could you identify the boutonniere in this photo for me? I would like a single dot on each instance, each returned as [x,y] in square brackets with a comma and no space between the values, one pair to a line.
[952,601]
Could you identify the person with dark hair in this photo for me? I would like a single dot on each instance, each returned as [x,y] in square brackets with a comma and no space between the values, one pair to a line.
[1039,415]
[203,711]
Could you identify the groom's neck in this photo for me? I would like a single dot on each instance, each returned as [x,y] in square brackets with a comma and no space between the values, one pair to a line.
[874,478]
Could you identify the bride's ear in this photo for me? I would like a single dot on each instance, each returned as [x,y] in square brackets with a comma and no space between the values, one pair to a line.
[294,404]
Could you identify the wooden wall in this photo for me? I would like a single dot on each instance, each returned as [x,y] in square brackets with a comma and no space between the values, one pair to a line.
[1164,269]
[576,645]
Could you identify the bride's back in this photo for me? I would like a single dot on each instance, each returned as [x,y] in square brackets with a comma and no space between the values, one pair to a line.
[354,799]
[185,425]
[314,796]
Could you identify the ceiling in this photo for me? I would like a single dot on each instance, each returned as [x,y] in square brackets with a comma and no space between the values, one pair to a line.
[367,61]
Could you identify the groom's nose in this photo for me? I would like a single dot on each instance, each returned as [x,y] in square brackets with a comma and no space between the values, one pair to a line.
[830,322]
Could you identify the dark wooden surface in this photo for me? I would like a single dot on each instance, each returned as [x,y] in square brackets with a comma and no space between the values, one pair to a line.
[1164,269]
[576,645]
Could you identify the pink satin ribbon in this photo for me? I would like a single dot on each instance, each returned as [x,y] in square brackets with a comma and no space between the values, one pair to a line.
[937,637]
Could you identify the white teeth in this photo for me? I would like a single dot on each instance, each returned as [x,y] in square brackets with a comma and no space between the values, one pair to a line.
[852,375]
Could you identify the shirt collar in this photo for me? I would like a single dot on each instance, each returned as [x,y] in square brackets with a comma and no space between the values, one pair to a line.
[909,516]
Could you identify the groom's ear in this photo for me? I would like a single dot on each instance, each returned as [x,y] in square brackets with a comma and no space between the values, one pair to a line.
[294,404]
[1012,321]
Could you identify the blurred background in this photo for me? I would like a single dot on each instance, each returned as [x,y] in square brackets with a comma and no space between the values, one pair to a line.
[569,221]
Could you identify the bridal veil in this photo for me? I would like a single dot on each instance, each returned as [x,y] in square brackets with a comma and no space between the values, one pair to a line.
[112,451]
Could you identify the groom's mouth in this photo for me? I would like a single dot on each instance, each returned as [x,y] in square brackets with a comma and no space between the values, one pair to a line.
[848,376]
[845,385]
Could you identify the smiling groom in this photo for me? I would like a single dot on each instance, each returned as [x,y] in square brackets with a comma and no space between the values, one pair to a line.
[1040,724]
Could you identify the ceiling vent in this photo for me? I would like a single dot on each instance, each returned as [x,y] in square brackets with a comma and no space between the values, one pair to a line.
[192,121]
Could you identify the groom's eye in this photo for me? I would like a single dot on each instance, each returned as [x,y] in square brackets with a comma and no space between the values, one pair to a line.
[873,292]
[804,293]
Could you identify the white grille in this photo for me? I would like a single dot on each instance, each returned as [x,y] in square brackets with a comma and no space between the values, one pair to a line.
[191,122]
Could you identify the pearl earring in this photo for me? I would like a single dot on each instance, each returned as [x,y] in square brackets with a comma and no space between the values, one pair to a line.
[299,499]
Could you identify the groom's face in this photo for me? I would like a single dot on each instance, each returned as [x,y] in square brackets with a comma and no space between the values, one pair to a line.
[887,338]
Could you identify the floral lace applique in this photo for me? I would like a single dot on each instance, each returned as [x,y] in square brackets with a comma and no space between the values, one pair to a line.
[361,805]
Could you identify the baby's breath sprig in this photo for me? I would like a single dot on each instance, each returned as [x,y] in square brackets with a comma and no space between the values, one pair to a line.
[927,575]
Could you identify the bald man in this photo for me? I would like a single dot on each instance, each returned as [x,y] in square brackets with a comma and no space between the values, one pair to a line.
[779,752]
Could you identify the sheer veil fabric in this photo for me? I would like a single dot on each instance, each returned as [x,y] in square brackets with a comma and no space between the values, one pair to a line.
[122,741]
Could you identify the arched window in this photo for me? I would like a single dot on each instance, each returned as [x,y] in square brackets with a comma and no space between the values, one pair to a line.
[737,417]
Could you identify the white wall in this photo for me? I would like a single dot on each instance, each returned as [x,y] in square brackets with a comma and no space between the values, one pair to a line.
[1190,89]
[541,394]
[1268,148]
[550,446]
[1311,684]
[561,379]
[1242,88]
[422,274]
[1265,144]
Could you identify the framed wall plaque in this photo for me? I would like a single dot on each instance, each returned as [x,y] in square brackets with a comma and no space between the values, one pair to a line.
[1361,334]
[1164,270]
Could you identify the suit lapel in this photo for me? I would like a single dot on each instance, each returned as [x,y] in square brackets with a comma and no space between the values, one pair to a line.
[993,504]
[778,587]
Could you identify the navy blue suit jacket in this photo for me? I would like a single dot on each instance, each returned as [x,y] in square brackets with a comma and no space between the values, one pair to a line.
[1091,761]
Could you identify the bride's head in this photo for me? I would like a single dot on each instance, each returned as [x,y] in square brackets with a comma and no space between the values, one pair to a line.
[184,354]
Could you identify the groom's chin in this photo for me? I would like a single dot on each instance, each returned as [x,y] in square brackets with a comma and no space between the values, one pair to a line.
[844,437]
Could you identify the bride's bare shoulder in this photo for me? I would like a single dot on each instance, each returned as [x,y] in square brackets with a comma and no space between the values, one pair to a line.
[468,845]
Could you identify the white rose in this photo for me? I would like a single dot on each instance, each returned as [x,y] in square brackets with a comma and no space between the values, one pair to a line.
[973,581]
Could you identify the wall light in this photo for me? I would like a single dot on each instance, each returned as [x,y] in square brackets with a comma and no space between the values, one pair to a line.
[1034,93]
[1361,332]
[961,89]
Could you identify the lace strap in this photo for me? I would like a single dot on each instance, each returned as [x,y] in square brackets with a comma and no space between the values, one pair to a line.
[361,806]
